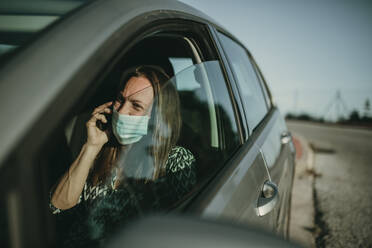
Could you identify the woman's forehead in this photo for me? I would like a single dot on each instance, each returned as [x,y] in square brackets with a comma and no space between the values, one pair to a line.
[136,84]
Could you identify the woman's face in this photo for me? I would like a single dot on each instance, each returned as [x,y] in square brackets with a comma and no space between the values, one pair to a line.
[136,98]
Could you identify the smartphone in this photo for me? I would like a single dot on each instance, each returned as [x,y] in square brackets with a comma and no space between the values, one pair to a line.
[105,126]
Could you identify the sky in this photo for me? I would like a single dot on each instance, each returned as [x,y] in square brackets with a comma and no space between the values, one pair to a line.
[307,50]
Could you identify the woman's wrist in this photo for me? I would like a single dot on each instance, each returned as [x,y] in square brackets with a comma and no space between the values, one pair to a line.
[92,148]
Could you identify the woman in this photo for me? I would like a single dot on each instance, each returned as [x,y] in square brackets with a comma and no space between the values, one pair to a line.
[131,167]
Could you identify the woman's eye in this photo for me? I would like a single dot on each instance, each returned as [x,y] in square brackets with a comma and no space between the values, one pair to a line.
[137,106]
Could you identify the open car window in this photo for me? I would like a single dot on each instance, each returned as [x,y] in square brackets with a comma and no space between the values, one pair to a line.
[153,161]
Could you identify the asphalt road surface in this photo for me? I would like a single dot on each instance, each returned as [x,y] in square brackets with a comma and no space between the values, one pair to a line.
[343,185]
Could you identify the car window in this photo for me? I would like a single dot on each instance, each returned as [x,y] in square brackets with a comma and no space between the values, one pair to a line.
[180,64]
[140,169]
[209,125]
[263,84]
[245,75]
[157,156]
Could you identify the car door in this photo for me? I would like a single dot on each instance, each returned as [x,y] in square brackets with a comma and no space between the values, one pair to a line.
[236,192]
[279,153]
[264,120]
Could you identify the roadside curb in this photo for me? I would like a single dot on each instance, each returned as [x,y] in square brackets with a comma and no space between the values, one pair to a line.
[302,207]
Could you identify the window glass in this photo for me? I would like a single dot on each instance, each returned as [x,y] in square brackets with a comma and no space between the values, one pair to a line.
[264,86]
[207,112]
[245,75]
[180,64]
[149,151]
[188,82]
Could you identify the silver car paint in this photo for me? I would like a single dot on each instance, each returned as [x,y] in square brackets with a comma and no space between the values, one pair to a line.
[280,162]
[234,195]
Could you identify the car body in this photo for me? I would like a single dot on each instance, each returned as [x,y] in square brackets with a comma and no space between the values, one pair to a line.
[238,135]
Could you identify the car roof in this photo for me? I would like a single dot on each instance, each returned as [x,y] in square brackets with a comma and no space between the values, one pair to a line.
[56,8]
[33,77]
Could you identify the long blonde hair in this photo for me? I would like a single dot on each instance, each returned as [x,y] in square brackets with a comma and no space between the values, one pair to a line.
[165,124]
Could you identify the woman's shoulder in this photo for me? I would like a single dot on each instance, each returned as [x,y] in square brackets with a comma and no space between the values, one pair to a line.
[180,153]
[179,158]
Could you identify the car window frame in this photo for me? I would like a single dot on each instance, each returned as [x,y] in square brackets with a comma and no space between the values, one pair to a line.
[264,85]
[212,53]
[233,79]
[232,85]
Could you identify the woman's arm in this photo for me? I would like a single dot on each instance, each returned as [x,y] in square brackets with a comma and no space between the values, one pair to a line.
[69,188]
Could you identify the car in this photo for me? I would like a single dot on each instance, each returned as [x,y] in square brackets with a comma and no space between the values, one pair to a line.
[60,59]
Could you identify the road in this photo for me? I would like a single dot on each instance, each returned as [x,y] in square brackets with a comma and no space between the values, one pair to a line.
[343,185]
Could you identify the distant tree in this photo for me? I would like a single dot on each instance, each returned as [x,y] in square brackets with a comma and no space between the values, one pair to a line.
[341,119]
[366,120]
[290,116]
[305,117]
[354,116]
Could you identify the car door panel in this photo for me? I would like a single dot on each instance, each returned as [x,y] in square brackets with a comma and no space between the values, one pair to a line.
[279,159]
[234,194]
[262,119]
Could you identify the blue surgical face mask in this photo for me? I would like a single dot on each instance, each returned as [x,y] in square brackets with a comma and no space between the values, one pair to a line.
[129,129]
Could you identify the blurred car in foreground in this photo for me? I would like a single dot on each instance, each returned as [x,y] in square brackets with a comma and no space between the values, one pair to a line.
[203,233]
[60,59]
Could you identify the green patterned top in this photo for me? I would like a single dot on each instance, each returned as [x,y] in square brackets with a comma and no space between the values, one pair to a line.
[102,209]
[180,166]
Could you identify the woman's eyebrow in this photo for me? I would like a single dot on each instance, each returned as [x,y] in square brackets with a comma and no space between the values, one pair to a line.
[136,100]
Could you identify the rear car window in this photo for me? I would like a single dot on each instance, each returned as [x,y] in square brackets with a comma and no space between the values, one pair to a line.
[246,77]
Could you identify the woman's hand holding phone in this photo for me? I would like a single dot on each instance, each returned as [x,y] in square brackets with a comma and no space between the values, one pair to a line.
[95,135]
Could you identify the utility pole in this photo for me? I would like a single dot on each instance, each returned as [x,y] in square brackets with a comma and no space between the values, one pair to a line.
[295,102]
[339,107]
[367,107]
